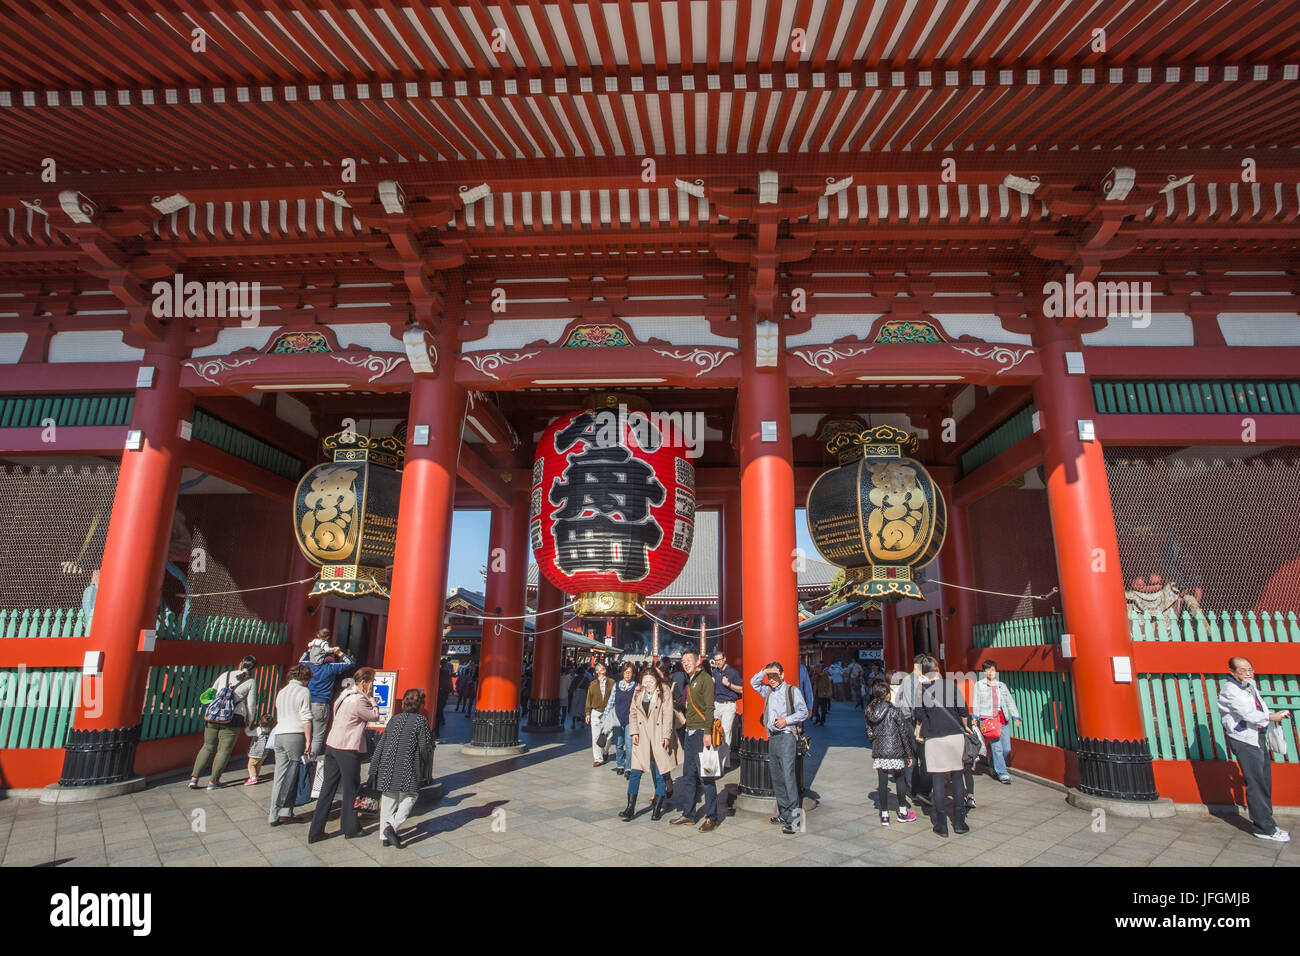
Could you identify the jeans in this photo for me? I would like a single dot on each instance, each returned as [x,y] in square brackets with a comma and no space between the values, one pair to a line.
[999,750]
[1256,765]
[289,749]
[781,752]
[634,781]
[221,739]
[692,782]
[725,711]
[394,808]
[342,776]
[320,718]
[899,777]
[939,812]
[622,753]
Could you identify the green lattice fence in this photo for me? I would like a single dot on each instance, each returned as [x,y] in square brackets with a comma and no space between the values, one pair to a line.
[224,629]
[1181,714]
[37,706]
[1241,626]
[1197,398]
[1045,700]
[71,622]
[1018,426]
[22,411]
[1025,632]
[171,700]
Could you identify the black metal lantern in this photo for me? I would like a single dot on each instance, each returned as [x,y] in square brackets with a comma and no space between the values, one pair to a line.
[345,514]
[879,515]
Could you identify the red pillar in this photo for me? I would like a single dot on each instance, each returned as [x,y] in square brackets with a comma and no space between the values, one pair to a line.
[544,704]
[895,653]
[496,715]
[102,743]
[957,568]
[731,579]
[770,595]
[1113,757]
[413,643]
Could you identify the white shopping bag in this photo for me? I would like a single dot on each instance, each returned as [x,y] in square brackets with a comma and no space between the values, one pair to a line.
[710,764]
[319,779]
[1276,739]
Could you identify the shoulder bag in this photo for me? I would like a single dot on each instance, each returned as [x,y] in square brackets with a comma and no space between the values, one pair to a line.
[802,744]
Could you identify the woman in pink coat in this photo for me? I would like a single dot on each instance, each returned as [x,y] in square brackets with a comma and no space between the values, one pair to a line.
[345,748]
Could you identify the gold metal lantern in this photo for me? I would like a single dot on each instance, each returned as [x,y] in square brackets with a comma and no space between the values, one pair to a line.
[879,515]
[345,514]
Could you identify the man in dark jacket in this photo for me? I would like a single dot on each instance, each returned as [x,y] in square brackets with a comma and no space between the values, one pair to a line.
[698,696]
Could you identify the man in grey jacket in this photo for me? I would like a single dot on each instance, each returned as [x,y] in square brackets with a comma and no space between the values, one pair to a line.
[1246,721]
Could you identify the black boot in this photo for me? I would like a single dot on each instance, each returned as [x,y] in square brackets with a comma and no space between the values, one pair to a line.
[658,811]
[630,812]
[668,784]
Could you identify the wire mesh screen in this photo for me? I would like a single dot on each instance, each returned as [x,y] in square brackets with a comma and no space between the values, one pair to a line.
[226,553]
[1013,551]
[1207,528]
[53,522]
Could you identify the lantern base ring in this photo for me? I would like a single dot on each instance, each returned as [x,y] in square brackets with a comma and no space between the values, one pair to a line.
[877,583]
[607,604]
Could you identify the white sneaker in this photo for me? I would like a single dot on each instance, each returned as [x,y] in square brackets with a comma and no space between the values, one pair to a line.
[1277,836]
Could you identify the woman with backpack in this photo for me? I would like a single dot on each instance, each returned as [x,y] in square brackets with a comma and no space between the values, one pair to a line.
[892,751]
[943,723]
[234,703]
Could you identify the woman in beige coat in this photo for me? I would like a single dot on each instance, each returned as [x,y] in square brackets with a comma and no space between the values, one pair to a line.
[652,735]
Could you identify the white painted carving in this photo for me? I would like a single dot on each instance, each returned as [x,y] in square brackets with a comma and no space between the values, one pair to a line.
[485,363]
[211,370]
[378,364]
[707,359]
[767,343]
[420,350]
[823,359]
[1007,358]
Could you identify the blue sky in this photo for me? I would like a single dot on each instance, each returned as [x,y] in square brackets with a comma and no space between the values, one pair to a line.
[469,537]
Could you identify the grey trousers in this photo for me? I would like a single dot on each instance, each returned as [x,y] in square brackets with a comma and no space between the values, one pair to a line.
[1256,765]
[394,808]
[781,751]
[284,784]
[320,718]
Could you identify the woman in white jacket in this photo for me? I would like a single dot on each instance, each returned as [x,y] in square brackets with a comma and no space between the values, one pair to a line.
[993,701]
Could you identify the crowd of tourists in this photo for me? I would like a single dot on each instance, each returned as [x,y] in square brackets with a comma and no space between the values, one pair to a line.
[665,719]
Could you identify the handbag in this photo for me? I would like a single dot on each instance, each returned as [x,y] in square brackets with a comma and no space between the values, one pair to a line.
[802,743]
[991,727]
[971,748]
[306,773]
[710,763]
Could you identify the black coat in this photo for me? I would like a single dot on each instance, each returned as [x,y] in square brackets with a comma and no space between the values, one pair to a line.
[402,753]
[889,731]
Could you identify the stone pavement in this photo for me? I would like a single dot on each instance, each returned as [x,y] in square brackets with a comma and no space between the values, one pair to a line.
[551,807]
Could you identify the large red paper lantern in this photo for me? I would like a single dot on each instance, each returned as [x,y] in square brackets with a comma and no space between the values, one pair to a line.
[613,505]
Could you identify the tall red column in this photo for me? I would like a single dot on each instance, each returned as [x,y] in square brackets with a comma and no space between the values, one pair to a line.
[501,656]
[892,637]
[770,595]
[1114,760]
[731,580]
[101,746]
[544,703]
[413,643]
[958,569]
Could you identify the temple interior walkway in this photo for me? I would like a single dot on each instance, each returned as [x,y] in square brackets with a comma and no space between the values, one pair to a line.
[557,810]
